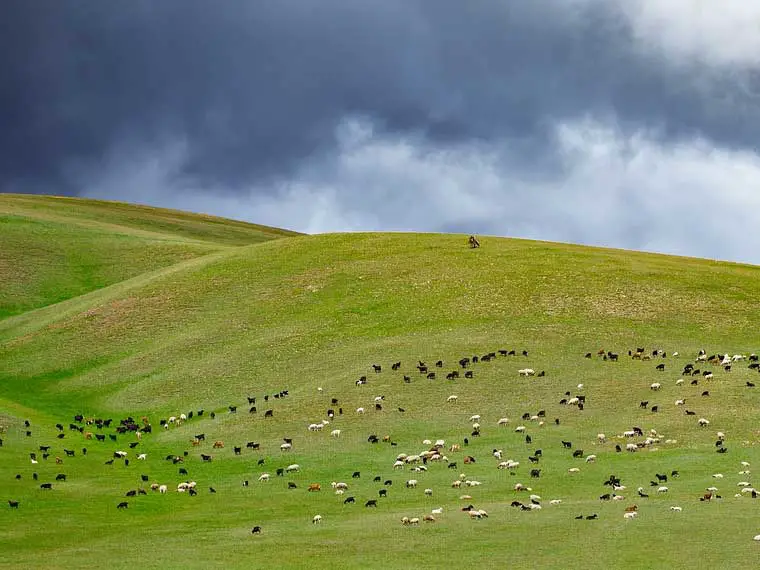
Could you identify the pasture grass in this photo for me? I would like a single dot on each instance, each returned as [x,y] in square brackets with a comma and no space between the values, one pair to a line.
[227,320]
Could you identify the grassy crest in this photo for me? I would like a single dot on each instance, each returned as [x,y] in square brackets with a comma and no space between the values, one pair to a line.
[55,249]
[210,327]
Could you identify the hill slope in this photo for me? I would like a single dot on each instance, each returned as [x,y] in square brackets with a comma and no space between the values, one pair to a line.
[294,323]
[284,302]
[57,248]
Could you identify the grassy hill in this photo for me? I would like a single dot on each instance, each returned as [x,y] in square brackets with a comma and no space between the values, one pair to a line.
[57,248]
[309,315]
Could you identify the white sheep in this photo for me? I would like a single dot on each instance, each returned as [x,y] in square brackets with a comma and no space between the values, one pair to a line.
[162,489]
[428,492]
[452,399]
[601,437]
[680,402]
[475,418]
[630,516]
[503,421]
[655,386]
[317,519]
[679,381]
[526,372]
[555,502]
[745,463]
[591,459]
[676,509]
[662,489]
[398,465]
[335,433]
[717,475]
[292,468]
[756,537]
[264,477]
[286,447]
[703,422]
[142,456]
[411,483]
[573,470]
[520,429]
[438,511]
[497,453]
[359,410]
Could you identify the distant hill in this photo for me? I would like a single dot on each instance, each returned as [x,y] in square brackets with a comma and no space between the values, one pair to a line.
[56,248]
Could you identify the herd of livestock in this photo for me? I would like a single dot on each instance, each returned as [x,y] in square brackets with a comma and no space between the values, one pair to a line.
[132,437]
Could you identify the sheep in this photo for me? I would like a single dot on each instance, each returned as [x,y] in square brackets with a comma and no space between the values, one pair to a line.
[162,489]
[703,422]
[475,418]
[292,468]
[428,492]
[676,509]
[555,502]
[631,515]
[359,410]
[286,447]
[411,483]
[655,386]
[756,537]
[717,475]
[335,433]
[503,421]
[591,458]
[142,456]
[573,470]
[317,519]
[601,438]
[526,372]
[452,399]
[438,511]
[520,429]
[680,402]
[264,477]
[662,489]
[414,521]
[428,518]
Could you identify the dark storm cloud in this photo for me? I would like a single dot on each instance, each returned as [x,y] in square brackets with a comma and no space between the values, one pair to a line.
[254,88]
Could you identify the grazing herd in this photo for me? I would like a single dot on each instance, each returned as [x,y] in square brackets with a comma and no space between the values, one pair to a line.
[439,454]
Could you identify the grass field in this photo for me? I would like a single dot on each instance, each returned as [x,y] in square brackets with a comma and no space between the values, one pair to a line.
[198,313]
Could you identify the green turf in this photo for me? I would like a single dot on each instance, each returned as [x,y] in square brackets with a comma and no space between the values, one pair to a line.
[54,248]
[208,329]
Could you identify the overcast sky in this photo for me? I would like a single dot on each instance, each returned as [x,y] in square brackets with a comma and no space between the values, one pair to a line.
[624,123]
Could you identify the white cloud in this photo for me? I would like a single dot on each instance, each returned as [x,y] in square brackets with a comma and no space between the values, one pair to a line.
[611,188]
[720,33]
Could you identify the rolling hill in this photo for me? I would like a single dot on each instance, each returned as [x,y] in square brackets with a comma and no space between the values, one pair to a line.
[56,248]
[232,313]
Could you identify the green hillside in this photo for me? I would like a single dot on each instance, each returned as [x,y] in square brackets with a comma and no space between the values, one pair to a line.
[299,320]
[58,248]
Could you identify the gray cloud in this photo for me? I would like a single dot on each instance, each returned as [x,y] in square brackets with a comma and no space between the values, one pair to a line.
[512,117]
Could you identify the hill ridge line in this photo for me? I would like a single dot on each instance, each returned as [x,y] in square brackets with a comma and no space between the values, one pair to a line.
[107,292]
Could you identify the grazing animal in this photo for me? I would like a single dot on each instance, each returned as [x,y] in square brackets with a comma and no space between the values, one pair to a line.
[13,504]
[371,503]
[122,505]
